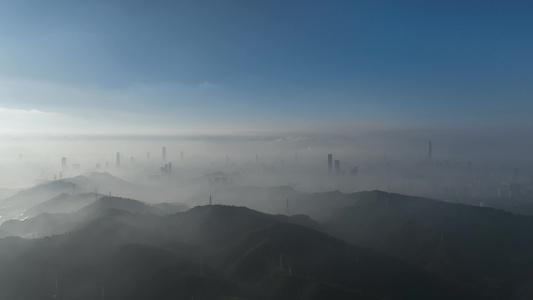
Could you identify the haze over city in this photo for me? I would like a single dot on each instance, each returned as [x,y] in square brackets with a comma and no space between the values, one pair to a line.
[266,150]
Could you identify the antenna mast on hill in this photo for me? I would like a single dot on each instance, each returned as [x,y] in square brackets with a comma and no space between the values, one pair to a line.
[56,293]
[210,200]
[96,194]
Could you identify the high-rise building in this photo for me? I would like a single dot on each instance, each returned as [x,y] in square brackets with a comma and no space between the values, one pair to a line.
[118,160]
[330,164]
[166,169]
[354,171]
[164,153]
[337,167]
[63,163]
[429,150]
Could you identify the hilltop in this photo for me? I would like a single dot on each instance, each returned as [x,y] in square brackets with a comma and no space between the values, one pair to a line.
[208,251]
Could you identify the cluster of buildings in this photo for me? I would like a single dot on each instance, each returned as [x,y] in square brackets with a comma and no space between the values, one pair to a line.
[427,177]
[338,171]
[76,168]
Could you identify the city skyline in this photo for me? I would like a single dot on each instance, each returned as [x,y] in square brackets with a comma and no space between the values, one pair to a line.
[200,149]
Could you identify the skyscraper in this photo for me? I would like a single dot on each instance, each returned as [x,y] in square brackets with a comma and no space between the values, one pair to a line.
[330,163]
[164,153]
[118,160]
[337,167]
[63,163]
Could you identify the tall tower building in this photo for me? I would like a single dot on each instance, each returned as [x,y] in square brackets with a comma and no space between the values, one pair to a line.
[330,164]
[337,167]
[429,150]
[118,160]
[164,153]
[63,163]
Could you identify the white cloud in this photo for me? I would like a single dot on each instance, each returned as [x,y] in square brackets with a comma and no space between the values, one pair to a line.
[23,112]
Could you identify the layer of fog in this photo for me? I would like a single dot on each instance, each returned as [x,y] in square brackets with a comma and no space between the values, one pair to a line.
[393,160]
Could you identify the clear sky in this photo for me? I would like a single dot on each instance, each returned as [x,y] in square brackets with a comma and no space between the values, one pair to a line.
[224,67]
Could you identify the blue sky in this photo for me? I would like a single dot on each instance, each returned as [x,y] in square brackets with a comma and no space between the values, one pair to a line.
[183,67]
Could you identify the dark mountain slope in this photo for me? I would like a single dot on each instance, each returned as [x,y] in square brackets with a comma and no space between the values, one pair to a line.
[214,225]
[482,247]
[63,203]
[209,252]
[56,223]
[289,250]
[14,206]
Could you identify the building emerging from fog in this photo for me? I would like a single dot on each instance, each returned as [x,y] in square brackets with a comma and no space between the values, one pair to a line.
[118,160]
[164,153]
[166,169]
[337,167]
[219,179]
[63,163]
[354,171]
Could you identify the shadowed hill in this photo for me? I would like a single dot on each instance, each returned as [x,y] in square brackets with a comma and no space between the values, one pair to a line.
[273,200]
[103,180]
[41,192]
[64,203]
[321,206]
[208,252]
[126,271]
[15,205]
[56,223]
[125,204]
[482,247]
[270,200]
[286,250]
[215,224]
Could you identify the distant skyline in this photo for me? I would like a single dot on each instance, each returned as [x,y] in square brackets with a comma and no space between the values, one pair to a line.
[244,67]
